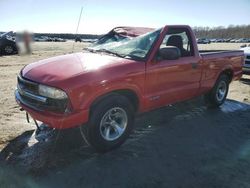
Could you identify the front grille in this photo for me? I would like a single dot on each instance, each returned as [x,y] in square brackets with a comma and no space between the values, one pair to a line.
[248,57]
[28,92]
[247,62]
[50,105]
[27,85]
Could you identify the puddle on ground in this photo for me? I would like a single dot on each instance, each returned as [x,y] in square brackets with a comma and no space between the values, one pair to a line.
[232,106]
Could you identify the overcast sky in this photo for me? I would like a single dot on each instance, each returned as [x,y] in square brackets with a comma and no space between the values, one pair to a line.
[99,16]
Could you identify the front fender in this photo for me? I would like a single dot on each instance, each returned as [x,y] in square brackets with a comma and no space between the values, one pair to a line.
[105,89]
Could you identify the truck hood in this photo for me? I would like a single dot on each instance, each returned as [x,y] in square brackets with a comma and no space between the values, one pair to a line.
[63,67]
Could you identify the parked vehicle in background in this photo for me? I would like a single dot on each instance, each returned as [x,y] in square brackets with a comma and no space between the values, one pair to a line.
[41,39]
[233,40]
[246,67]
[213,40]
[89,40]
[36,39]
[78,39]
[57,39]
[8,44]
[227,40]
[242,40]
[203,41]
[219,40]
[50,39]
[103,88]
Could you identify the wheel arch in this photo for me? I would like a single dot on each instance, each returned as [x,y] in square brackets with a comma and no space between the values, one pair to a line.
[130,94]
[228,72]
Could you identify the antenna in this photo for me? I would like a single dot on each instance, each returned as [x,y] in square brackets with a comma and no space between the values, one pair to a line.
[77,28]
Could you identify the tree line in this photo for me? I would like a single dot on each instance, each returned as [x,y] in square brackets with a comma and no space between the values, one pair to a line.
[232,31]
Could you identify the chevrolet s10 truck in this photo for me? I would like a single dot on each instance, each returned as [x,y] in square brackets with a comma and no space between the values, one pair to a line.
[102,88]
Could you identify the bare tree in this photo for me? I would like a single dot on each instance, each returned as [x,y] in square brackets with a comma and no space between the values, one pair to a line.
[232,31]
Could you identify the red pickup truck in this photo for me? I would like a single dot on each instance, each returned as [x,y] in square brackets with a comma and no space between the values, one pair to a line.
[103,87]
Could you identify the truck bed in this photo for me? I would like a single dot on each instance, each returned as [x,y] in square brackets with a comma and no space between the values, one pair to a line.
[213,52]
[221,54]
[214,61]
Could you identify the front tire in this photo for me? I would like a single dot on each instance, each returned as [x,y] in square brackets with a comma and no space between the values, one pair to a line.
[111,122]
[10,49]
[218,94]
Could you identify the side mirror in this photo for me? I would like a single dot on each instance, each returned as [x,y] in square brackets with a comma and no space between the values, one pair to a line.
[169,53]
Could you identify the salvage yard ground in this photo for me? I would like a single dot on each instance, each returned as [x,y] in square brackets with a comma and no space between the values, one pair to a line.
[182,145]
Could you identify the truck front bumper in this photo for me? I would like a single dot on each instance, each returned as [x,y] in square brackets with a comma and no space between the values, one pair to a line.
[54,120]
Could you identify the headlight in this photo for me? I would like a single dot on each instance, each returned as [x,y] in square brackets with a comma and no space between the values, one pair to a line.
[51,92]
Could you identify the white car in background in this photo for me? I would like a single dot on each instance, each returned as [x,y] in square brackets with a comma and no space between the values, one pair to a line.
[242,40]
[246,67]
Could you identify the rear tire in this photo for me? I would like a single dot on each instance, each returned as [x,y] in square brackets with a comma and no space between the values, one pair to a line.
[218,94]
[111,121]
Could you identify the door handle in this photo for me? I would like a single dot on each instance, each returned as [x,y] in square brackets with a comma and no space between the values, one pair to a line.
[194,65]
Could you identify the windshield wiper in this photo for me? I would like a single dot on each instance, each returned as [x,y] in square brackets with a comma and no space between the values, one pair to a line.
[134,57]
[105,51]
[129,56]
[109,52]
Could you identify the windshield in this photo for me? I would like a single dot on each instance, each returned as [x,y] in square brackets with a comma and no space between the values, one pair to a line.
[136,48]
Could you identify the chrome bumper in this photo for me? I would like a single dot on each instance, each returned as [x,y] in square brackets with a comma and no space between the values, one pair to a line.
[19,100]
[246,69]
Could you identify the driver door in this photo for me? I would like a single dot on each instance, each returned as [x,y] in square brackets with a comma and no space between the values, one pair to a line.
[170,81]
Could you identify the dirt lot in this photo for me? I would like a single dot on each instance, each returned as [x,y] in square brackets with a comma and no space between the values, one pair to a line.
[182,145]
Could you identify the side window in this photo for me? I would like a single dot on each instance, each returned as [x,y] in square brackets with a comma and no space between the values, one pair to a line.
[180,38]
